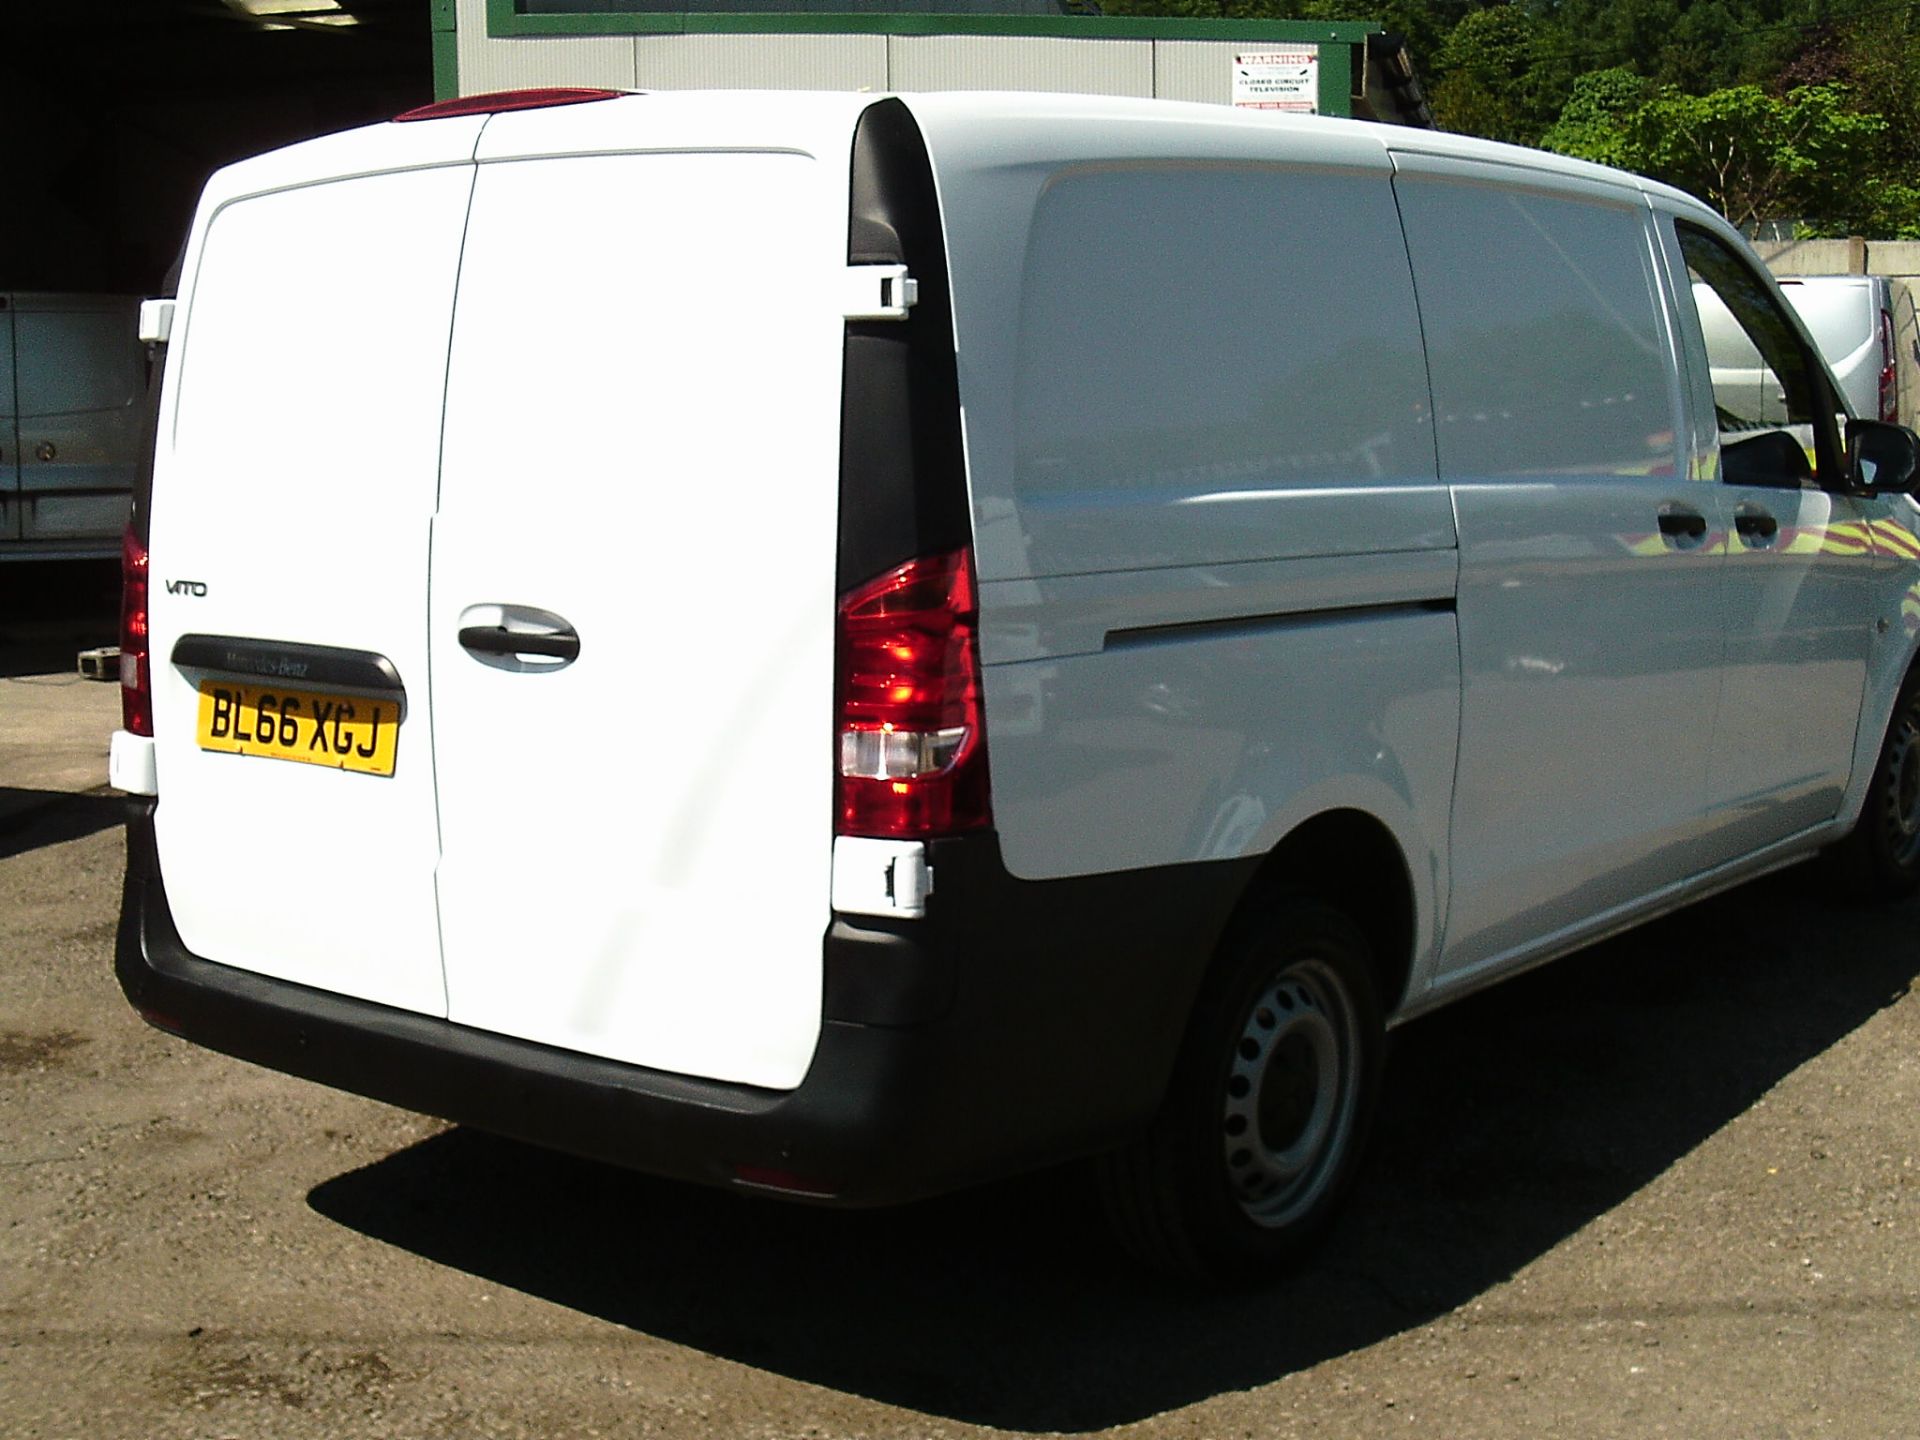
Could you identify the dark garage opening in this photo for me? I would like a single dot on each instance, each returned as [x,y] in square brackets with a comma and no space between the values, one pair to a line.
[115,111]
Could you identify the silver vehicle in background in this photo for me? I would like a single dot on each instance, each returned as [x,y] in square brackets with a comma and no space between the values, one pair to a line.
[72,372]
[1851,318]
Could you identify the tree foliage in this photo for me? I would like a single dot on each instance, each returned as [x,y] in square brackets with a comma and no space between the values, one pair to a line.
[1592,124]
[1751,155]
[1501,75]
[1770,109]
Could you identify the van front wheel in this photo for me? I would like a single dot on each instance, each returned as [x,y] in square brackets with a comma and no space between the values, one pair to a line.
[1270,1102]
[1881,858]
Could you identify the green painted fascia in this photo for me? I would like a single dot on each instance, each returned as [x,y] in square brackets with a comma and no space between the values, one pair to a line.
[505,20]
[446,50]
[1336,80]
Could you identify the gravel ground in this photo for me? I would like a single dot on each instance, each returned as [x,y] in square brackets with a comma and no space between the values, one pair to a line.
[1666,1187]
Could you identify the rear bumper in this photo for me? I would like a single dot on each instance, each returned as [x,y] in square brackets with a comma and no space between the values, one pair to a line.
[1019,1024]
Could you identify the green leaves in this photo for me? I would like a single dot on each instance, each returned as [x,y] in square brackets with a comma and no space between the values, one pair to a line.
[1593,124]
[1751,155]
[1805,110]
[1503,75]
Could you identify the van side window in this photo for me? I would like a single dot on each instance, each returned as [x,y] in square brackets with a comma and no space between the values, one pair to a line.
[1770,406]
[1195,336]
[1543,331]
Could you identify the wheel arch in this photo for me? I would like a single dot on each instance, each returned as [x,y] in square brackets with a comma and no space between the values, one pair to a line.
[1352,861]
[1885,684]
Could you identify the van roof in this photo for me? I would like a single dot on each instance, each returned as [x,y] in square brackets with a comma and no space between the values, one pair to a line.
[808,119]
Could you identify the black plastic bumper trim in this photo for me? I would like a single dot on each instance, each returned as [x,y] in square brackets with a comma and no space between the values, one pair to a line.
[290,661]
[1035,1022]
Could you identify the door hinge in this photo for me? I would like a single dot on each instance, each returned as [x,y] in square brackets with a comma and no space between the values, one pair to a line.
[878,292]
[156,321]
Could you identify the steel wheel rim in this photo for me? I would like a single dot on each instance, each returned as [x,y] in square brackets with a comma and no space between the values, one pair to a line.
[1290,1095]
[1903,788]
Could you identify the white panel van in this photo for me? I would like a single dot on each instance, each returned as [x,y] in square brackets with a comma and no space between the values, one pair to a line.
[846,645]
[1851,319]
[72,372]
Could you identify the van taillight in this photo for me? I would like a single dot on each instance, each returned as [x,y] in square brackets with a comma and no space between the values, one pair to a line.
[136,679]
[912,748]
[1889,382]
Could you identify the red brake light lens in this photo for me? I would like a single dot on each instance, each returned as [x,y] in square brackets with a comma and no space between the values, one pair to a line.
[1889,382]
[136,677]
[912,746]
[494,102]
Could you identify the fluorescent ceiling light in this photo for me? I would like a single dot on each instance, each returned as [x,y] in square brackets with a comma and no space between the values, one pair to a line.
[297,14]
[304,9]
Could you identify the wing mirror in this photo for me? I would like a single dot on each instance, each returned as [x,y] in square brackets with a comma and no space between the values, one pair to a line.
[1882,459]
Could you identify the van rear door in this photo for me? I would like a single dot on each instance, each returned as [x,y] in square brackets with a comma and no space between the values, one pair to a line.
[639,487]
[294,485]
[79,374]
[1840,314]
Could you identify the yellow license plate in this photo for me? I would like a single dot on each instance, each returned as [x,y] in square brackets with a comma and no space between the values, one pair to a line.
[346,732]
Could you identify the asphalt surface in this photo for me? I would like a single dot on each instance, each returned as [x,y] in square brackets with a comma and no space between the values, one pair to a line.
[1666,1187]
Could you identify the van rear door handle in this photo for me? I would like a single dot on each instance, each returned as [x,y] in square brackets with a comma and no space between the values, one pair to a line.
[498,640]
[1755,526]
[518,637]
[1683,528]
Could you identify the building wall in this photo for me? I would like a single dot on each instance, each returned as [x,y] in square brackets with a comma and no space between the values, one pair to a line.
[1200,70]
[487,64]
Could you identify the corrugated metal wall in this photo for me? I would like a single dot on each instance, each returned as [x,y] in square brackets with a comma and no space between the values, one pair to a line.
[730,62]
[991,62]
[1196,69]
[1162,69]
[487,64]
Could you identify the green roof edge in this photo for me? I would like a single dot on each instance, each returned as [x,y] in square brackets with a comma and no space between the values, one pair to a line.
[504,20]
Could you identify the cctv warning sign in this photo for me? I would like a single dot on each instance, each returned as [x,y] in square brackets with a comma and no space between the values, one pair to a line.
[1278,80]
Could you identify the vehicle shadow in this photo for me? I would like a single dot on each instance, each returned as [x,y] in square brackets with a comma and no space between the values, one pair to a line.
[1512,1119]
[31,819]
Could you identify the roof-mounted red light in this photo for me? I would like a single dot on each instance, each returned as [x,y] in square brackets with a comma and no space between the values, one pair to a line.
[497,101]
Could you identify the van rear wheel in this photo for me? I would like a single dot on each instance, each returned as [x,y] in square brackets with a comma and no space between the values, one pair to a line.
[1268,1109]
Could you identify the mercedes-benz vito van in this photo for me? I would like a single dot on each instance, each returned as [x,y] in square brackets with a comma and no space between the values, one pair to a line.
[845,645]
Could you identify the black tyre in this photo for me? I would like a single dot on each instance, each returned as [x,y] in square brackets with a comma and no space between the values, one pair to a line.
[1880,860]
[1268,1109]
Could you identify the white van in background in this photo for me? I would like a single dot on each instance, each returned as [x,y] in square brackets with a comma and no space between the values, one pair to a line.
[846,645]
[72,374]
[1851,319]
